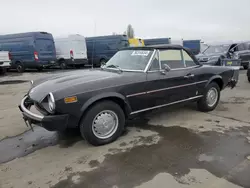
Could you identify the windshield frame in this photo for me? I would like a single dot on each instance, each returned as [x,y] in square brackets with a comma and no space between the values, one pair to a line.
[220,45]
[131,70]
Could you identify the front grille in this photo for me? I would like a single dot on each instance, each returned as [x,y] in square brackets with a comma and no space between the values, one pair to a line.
[40,108]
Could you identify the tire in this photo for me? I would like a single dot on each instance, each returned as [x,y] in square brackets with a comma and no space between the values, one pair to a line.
[245,67]
[89,131]
[3,71]
[19,67]
[203,103]
[62,64]
[78,66]
[103,62]
[39,69]
[248,79]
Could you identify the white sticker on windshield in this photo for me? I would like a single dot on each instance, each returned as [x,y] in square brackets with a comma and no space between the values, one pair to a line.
[140,53]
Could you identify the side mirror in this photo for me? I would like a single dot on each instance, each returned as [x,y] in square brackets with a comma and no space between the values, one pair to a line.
[166,68]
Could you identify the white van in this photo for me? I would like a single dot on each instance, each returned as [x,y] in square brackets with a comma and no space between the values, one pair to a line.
[71,51]
[4,61]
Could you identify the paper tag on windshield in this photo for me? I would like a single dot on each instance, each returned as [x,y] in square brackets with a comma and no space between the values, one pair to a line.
[140,53]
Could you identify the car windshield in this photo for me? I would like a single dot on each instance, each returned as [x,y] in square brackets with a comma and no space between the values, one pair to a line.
[216,49]
[136,60]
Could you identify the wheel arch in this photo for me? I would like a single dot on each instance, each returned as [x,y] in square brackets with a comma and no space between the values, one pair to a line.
[217,79]
[112,96]
[61,59]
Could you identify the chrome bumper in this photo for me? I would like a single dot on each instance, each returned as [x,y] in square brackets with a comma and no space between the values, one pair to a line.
[49,122]
[25,108]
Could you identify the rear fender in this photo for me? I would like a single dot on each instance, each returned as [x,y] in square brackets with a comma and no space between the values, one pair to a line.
[213,78]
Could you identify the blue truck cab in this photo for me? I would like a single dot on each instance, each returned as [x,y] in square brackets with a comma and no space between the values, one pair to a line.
[29,50]
[157,41]
[101,48]
[193,45]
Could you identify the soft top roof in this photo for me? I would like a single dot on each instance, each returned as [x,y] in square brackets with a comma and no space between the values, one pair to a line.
[153,47]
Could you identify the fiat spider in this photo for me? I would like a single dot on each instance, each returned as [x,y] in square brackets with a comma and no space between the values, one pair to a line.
[134,80]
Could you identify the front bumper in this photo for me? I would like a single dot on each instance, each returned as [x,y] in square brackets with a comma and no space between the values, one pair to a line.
[49,122]
[5,64]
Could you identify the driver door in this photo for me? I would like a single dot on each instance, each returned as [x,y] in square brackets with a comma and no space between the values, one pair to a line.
[173,86]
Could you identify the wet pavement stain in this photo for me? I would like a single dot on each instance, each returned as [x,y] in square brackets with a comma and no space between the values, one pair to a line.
[8,82]
[28,142]
[178,150]
[236,100]
[94,163]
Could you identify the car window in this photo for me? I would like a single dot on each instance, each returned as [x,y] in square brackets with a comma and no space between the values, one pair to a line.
[172,58]
[240,47]
[155,63]
[44,45]
[188,60]
[247,46]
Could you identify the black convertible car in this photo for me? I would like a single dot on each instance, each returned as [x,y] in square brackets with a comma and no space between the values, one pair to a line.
[134,80]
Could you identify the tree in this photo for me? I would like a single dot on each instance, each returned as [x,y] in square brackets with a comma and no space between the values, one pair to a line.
[130,31]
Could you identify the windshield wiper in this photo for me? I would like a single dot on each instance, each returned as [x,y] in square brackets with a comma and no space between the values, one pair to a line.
[114,66]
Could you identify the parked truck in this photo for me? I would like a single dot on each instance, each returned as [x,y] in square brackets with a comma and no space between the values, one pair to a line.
[4,61]
[193,45]
[101,48]
[157,41]
[71,51]
[133,42]
[29,50]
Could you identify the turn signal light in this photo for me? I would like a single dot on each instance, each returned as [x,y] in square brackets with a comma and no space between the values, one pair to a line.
[70,99]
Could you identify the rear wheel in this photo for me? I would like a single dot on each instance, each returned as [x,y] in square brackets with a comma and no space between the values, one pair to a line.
[62,64]
[103,123]
[248,79]
[19,67]
[210,99]
[103,62]
[39,68]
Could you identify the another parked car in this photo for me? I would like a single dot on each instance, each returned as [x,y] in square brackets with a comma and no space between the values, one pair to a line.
[4,61]
[29,50]
[101,48]
[134,80]
[214,54]
[71,51]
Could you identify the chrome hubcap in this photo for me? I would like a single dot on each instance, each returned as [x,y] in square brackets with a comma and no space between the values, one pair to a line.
[105,124]
[212,97]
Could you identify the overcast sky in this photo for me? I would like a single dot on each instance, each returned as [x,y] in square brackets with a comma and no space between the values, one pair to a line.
[188,19]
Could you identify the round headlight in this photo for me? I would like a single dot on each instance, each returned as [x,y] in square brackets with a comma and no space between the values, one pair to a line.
[51,103]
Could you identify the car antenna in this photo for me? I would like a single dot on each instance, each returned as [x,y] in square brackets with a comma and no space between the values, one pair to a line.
[93,49]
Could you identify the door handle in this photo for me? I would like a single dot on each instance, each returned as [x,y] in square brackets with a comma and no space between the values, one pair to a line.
[189,76]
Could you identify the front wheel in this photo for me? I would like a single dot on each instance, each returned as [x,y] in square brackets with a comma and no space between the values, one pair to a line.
[248,79]
[103,123]
[245,67]
[210,99]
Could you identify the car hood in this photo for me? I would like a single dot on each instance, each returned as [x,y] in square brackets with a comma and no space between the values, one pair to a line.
[210,55]
[67,81]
